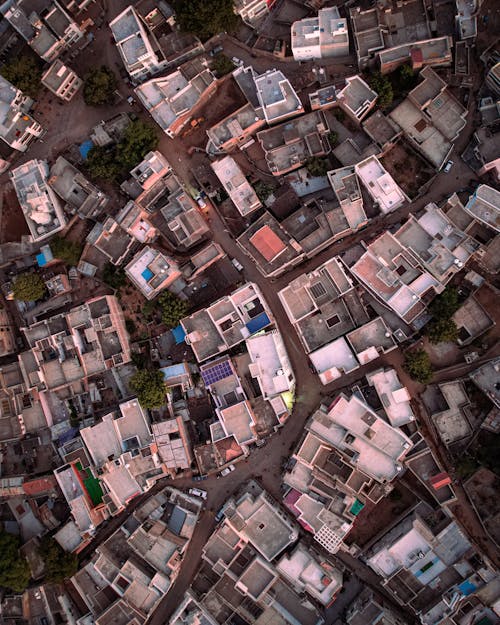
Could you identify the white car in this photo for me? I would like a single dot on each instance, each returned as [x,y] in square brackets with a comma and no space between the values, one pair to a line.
[227,470]
[197,492]
[238,62]
[236,263]
[448,166]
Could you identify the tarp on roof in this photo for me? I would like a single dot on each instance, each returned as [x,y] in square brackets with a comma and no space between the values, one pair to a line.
[258,322]
[85,148]
[179,335]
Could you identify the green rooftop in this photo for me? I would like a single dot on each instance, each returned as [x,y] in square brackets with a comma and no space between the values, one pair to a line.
[356,507]
[92,485]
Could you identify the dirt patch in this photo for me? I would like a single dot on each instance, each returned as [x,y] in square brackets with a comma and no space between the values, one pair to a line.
[374,519]
[407,168]
[442,354]
[483,489]
[14,224]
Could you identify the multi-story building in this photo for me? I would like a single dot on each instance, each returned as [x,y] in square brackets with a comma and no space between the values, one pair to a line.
[151,272]
[49,30]
[320,37]
[61,80]
[276,96]
[136,44]
[493,79]
[227,322]
[379,183]
[252,11]
[172,100]
[237,186]
[41,207]
[17,128]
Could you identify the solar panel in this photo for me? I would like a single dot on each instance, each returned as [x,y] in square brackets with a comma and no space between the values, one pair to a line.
[218,372]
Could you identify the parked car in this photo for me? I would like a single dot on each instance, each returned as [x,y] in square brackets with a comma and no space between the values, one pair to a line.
[237,264]
[238,62]
[197,492]
[131,100]
[447,167]
[216,50]
[220,514]
[227,470]
[201,202]
[199,478]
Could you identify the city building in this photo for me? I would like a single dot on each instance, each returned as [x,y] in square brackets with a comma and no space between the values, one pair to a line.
[17,128]
[80,195]
[484,206]
[151,272]
[48,29]
[270,365]
[466,19]
[356,98]
[276,96]
[134,220]
[172,100]
[427,563]
[367,609]
[394,397]
[172,445]
[42,208]
[252,11]
[394,34]
[227,322]
[320,37]
[449,409]
[493,79]
[482,153]
[290,145]
[431,118]
[136,45]
[345,184]
[486,378]
[61,80]
[236,185]
[113,241]
[272,249]
[236,129]
[380,185]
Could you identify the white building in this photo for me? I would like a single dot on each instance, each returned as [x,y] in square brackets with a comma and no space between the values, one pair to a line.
[135,46]
[151,271]
[320,37]
[42,208]
[277,97]
[270,365]
[17,128]
[251,11]
[61,80]
[236,185]
[380,185]
[394,396]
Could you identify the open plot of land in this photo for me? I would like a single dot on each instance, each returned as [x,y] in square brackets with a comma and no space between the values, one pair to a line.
[407,168]
[14,224]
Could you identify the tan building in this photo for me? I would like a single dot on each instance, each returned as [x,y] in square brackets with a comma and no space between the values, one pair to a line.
[61,80]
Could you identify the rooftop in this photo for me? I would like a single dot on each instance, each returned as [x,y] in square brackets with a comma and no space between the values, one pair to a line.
[370,339]
[41,207]
[394,396]
[270,364]
[237,186]
[355,429]
[380,184]
[276,96]
[484,205]
[333,360]
[486,378]
[151,271]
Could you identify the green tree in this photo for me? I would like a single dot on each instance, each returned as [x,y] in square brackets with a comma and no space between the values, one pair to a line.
[99,86]
[114,276]
[205,19]
[263,190]
[24,73]
[67,251]
[59,564]
[172,308]
[318,166]
[14,569]
[442,330]
[382,85]
[28,287]
[139,139]
[418,366]
[446,304]
[102,163]
[333,138]
[150,388]
[405,77]
[222,65]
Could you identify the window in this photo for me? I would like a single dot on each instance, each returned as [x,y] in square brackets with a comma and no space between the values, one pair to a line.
[332,321]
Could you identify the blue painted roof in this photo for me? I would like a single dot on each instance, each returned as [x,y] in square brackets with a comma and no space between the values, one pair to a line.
[85,148]
[173,371]
[466,588]
[41,260]
[179,334]
[147,274]
[258,322]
